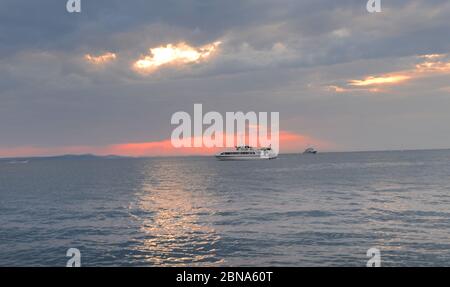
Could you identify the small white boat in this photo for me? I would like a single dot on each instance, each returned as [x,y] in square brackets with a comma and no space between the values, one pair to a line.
[247,153]
[310,150]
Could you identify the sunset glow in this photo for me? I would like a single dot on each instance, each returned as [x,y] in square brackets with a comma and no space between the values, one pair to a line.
[289,142]
[100,59]
[174,54]
[370,81]
[430,65]
[441,67]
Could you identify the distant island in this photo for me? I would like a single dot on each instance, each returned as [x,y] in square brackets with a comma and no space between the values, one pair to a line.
[66,156]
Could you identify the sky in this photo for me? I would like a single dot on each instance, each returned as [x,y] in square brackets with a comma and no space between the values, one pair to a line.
[107,80]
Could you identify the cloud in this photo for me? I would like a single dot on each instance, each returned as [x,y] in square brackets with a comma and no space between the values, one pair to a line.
[381,80]
[289,56]
[432,65]
[100,59]
[173,55]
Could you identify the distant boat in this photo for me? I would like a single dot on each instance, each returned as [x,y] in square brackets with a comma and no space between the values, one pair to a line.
[247,153]
[310,150]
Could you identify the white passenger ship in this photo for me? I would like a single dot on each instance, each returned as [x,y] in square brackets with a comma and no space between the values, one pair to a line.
[247,153]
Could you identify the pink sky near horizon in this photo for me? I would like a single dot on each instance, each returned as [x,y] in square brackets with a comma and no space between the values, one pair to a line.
[289,142]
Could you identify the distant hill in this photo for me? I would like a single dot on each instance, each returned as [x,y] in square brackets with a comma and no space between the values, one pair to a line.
[66,156]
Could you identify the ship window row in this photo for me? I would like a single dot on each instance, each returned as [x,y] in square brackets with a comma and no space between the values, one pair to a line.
[238,153]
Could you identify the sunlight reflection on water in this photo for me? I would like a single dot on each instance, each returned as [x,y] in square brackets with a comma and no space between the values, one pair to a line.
[170,216]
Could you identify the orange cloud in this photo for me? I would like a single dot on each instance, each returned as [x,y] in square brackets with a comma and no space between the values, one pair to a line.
[156,148]
[432,56]
[388,79]
[100,59]
[289,142]
[431,65]
[341,90]
[178,54]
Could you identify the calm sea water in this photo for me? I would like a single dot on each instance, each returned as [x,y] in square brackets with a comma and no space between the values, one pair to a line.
[323,210]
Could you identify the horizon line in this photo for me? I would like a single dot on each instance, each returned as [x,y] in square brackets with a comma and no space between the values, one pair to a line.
[209,155]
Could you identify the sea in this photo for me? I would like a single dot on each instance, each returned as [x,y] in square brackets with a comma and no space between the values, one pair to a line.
[327,209]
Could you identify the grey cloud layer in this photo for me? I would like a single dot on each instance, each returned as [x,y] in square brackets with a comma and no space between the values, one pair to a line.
[276,56]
